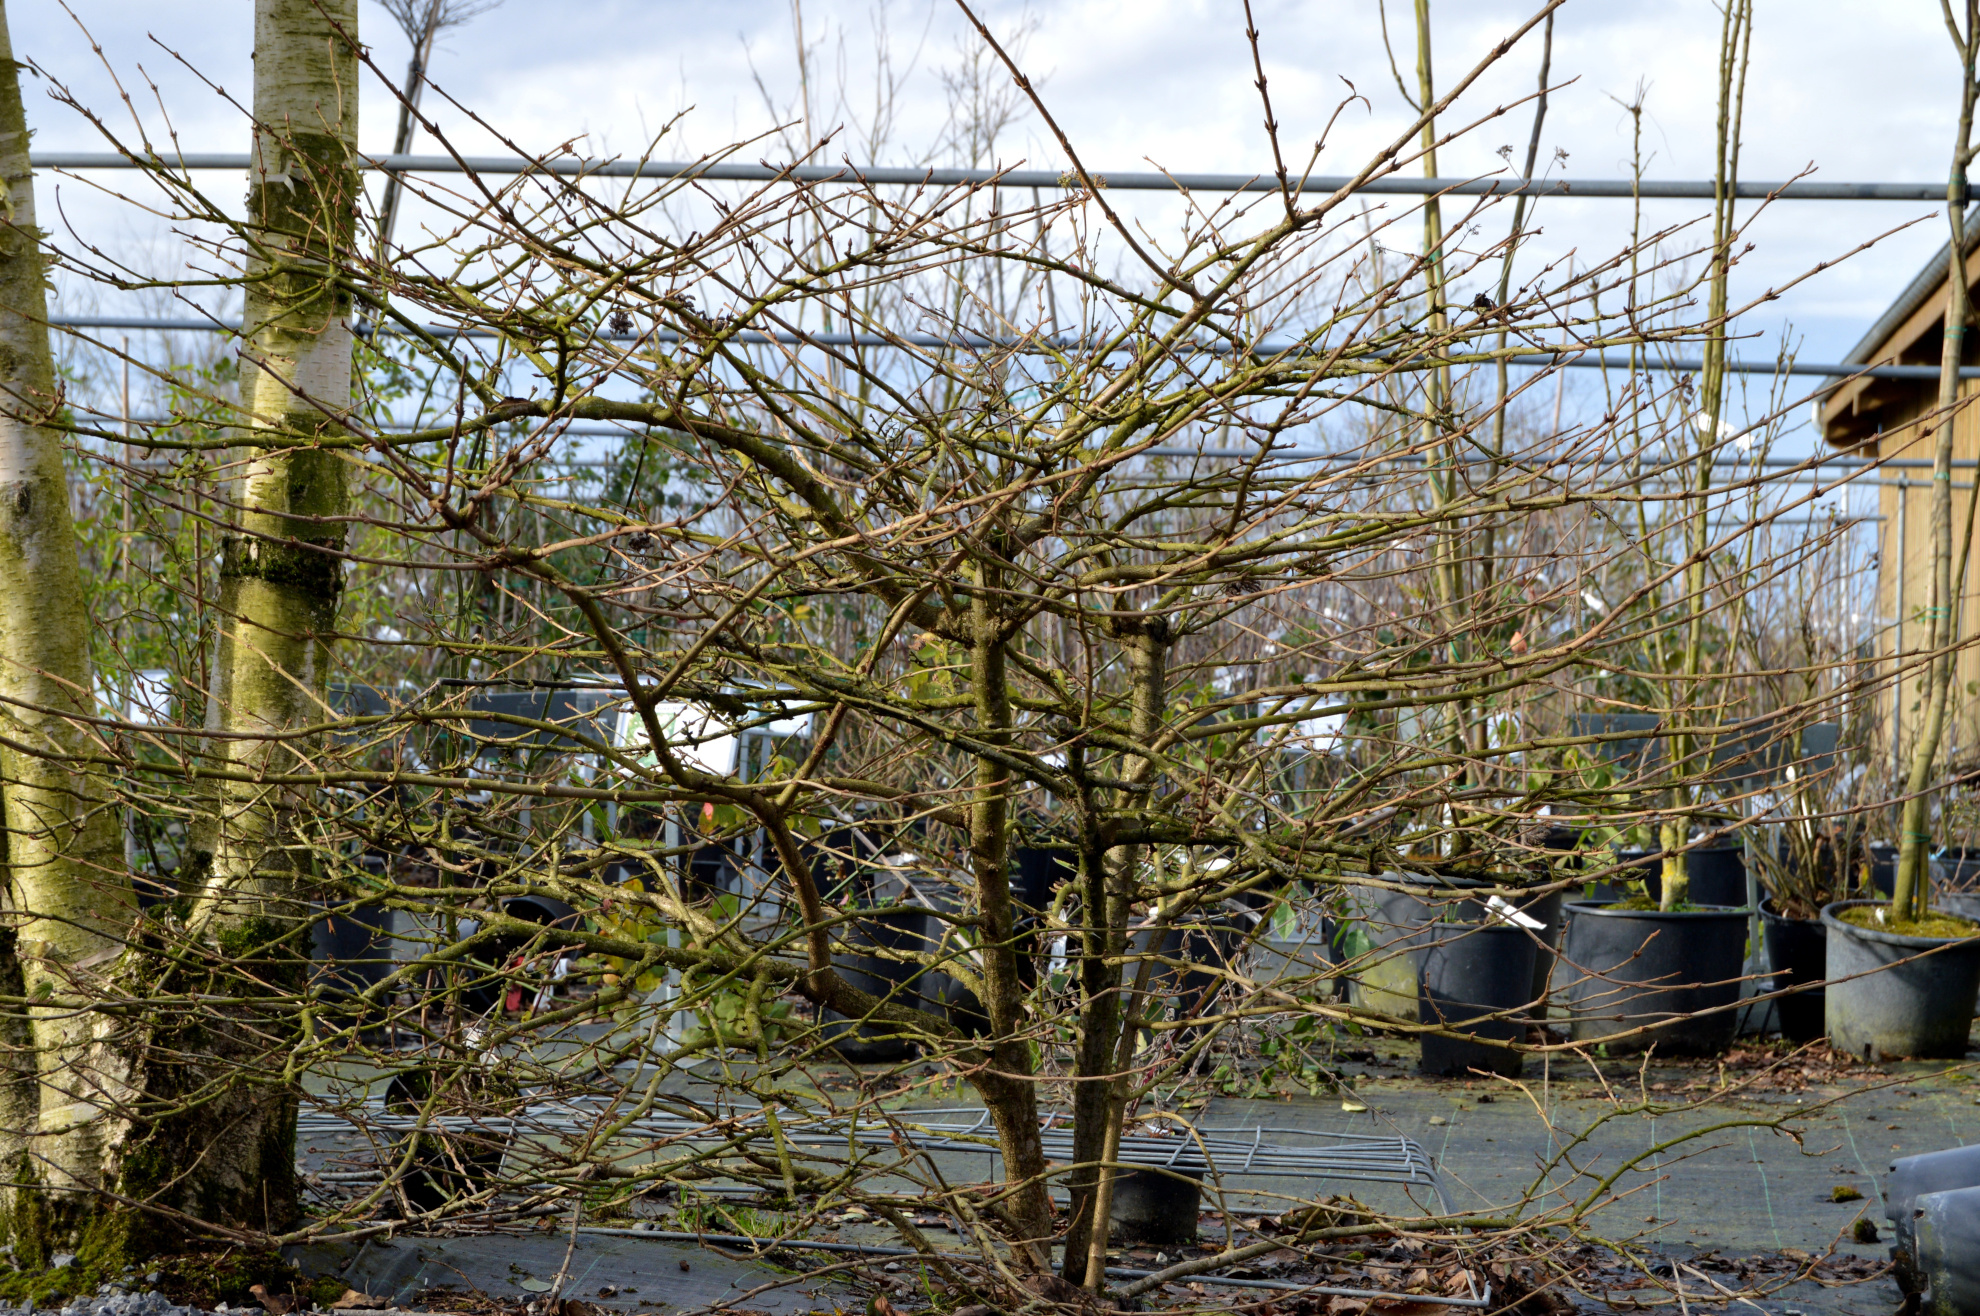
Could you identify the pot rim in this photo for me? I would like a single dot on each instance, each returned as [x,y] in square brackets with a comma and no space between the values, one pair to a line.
[1887,938]
[1768,909]
[1704,911]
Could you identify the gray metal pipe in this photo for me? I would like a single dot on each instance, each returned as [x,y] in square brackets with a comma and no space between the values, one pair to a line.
[1395,184]
[1061,342]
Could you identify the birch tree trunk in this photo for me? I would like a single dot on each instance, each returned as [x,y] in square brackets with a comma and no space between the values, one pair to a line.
[125,1110]
[281,574]
[69,897]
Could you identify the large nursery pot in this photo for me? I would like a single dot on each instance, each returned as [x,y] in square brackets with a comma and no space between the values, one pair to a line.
[868,1042]
[1956,868]
[1195,963]
[349,949]
[1911,1179]
[1883,867]
[1383,931]
[457,1162]
[1546,910]
[1717,874]
[1947,1229]
[1894,996]
[1798,949]
[1465,973]
[1632,968]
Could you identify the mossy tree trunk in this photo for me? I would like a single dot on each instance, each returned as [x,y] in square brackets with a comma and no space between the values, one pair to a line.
[281,573]
[124,1110]
[69,898]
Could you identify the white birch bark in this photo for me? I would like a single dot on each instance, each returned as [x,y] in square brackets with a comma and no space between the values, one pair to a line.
[69,896]
[281,574]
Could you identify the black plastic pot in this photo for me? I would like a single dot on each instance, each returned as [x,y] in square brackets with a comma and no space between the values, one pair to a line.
[866,1042]
[1155,1206]
[1636,968]
[1179,988]
[1897,997]
[1645,866]
[1038,870]
[1383,931]
[1798,948]
[1912,1178]
[501,979]
[1883,867]
[1547,909]
[1717,875]
[1465,972]
[1956,868]
[349,950]
[444,1166]
[936,934]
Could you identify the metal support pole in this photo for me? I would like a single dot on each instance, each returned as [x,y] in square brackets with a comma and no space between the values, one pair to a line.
[1897,635]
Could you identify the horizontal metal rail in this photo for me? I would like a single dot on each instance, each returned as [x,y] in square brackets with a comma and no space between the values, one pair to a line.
[1052,342]
[1042,179]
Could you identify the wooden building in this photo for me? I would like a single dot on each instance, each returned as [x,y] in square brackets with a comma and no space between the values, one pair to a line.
[1896,419]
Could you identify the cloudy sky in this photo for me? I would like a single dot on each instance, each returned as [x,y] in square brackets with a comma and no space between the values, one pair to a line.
[1855,89]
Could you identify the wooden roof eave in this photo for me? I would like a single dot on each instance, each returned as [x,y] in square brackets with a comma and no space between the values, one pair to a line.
[1858,396]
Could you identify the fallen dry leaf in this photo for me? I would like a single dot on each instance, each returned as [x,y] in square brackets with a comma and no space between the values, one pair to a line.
[275,1304]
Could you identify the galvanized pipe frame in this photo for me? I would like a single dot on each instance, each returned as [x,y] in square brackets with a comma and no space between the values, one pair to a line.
[1040,179]
[1062,342]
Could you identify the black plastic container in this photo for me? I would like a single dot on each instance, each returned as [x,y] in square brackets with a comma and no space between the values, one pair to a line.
[935,934]
[1384,928]
[1632,969]
[1898,997]
[444,1166]
[1155,1206]
[1195,964]
[1464,973]
[1717,875]
[1547,909]
[349,949]
[1645,866]
[1883,867]
[893,980]
[1956,868]
[1798,950]
[1038,870]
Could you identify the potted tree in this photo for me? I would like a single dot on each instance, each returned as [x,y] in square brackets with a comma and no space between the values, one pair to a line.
[1641,963]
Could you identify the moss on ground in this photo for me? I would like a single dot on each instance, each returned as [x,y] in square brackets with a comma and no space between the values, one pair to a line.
[203,1279]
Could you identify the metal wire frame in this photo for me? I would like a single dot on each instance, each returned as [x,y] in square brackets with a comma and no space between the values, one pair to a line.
[1356,1157]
